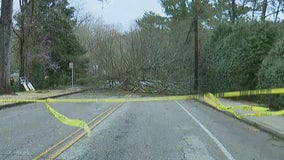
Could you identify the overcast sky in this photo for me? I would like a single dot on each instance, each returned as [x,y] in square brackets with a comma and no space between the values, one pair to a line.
[122,13]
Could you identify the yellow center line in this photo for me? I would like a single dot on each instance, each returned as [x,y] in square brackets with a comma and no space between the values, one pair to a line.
[109,110]
[72,134]
[65,147]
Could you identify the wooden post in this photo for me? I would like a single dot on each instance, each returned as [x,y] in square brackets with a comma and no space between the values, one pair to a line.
[196,48]
[5,46]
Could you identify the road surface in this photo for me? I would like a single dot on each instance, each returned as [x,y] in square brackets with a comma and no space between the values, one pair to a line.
[172,130]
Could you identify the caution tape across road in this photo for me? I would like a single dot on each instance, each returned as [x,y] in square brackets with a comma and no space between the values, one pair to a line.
[250,92]
[82,124]
[103,100]
[143,99]
[209,98]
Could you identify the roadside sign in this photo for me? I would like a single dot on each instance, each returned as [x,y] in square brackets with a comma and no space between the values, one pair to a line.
[71,65]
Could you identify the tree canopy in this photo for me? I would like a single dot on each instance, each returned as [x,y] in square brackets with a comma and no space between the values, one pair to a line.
[240,47]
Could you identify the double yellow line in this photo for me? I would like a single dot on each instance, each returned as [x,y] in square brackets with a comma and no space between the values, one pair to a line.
[75,136]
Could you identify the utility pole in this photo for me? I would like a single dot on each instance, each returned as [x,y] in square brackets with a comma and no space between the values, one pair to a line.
[196,44]
[5,45]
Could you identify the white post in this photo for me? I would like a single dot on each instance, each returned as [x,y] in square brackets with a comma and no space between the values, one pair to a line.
[72,77]
[71,66]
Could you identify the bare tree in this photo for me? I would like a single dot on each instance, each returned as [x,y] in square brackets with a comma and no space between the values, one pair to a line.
[5,47]
[233,11]
[278,10]
[253,8]
[264,8]
[21,36]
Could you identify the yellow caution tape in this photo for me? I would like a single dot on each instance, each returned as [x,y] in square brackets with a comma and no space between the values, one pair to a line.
[142,99]
[21,101]
[65,120]
[267,113]
[256,110]
[103,100]
[250,108]
[251,92]
[208,98]
[79,123]
[213,101]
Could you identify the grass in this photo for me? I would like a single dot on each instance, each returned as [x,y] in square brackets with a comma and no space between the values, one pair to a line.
[40,94]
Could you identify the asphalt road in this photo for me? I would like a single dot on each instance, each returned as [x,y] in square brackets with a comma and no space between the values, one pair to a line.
[27,130]
[138,130]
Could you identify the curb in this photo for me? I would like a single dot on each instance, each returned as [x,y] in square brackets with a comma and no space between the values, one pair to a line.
[55,96]
[264,128]
[260,126]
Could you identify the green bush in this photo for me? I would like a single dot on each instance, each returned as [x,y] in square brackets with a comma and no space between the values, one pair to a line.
[271,75]
[232,59]
[37,74]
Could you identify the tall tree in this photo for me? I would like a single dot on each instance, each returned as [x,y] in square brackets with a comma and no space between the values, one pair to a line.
[47,42]
[233,15]
[5,47]
[264,8]
[176,9]
[278,10]
[254,6]
[24,21]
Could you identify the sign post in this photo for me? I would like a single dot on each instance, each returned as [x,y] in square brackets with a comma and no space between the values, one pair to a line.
[71,66]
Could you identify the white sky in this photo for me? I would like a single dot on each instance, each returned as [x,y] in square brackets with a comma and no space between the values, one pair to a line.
[122,13]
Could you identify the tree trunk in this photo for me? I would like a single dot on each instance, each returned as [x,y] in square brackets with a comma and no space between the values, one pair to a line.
[22,37]
[22,58]
[253,9]
[277,10]
[264,8]
[233,11]
[5,47]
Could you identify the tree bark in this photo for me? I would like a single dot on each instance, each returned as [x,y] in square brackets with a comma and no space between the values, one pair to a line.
[253,9]
[233,11]
[277,10]
[25,33]
[5,47]
[264,8]
[22,37]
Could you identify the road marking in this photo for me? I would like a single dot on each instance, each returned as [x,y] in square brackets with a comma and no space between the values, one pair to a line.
[76,139]
[102,116]
[70,135]
[218,143]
